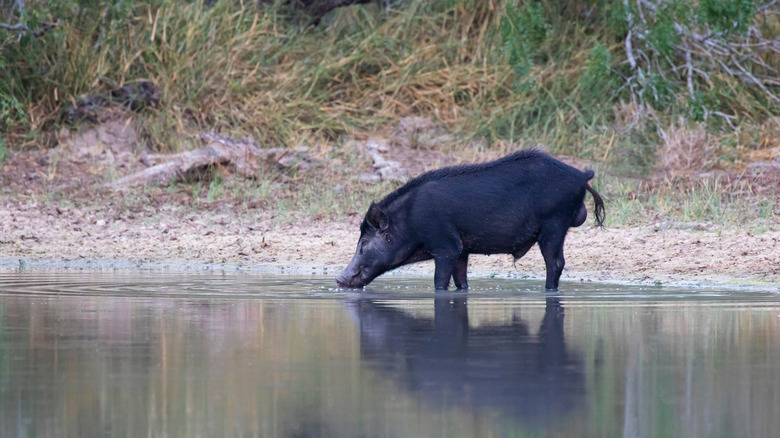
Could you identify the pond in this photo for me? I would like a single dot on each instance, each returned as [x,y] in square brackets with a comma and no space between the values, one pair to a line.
[185,355]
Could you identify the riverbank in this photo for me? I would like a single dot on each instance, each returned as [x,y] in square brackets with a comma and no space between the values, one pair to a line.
[179,238]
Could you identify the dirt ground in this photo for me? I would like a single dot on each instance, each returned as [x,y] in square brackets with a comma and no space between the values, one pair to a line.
[175,238]
[41,225]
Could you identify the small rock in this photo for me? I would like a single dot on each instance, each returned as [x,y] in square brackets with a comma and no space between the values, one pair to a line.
[394,173]
[370,178]
[287,161]
[377,144]
[419,132]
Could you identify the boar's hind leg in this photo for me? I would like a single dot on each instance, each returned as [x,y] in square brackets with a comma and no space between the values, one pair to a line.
[551,244]
[461,267]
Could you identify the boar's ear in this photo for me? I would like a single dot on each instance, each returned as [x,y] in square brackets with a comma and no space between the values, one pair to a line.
[377,218]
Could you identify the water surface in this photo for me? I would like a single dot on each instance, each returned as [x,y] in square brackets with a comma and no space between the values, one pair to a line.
[158,354]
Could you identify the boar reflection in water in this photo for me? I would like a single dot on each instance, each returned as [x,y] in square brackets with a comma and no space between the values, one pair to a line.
[499,207]
[448,364]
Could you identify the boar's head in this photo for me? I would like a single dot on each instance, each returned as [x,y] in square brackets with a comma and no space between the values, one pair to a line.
[382,246]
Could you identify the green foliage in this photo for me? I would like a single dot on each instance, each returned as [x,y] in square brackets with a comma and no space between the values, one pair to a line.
[215,188]
[700,103]
[617,23]
[660,91]
[727,15]
[523,29]
[3,149]
[596,83]
[662,36]
[11,109]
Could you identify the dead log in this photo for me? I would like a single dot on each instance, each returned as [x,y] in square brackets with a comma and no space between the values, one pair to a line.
[243,155]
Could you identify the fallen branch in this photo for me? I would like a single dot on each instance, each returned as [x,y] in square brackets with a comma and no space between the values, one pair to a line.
[752,79]
[218,150]
[18,27]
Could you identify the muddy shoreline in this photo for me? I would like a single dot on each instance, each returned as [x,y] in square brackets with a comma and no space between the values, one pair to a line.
[176,238]
[57,212]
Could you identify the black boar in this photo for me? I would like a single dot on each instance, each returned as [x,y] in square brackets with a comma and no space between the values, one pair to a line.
[498,207]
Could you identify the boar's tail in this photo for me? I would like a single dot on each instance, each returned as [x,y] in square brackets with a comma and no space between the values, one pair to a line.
[600,212]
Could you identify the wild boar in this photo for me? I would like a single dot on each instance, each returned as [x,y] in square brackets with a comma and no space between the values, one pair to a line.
[497,207]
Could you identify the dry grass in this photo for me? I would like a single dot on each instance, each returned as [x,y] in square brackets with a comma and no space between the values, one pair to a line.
[687,149]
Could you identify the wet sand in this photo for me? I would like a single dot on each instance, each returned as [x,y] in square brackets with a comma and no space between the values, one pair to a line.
[177,238]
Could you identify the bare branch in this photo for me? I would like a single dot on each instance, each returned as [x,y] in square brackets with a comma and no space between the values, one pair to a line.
[629,50]
[765,7]
[18,27]
[729,120]
[703,74]
[22,28]
[755,81]
[689,69]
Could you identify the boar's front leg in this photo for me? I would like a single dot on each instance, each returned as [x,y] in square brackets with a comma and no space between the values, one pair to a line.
[461,268]
[445,267]
[454,267]
[447,253]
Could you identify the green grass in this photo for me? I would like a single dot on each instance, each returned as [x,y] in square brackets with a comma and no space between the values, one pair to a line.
[3,150]
[714,201]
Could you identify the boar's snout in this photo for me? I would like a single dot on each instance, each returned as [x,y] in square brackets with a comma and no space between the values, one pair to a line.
[351,281]
[352,276]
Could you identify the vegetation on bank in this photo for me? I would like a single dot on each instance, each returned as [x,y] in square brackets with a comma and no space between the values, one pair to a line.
[634,84]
